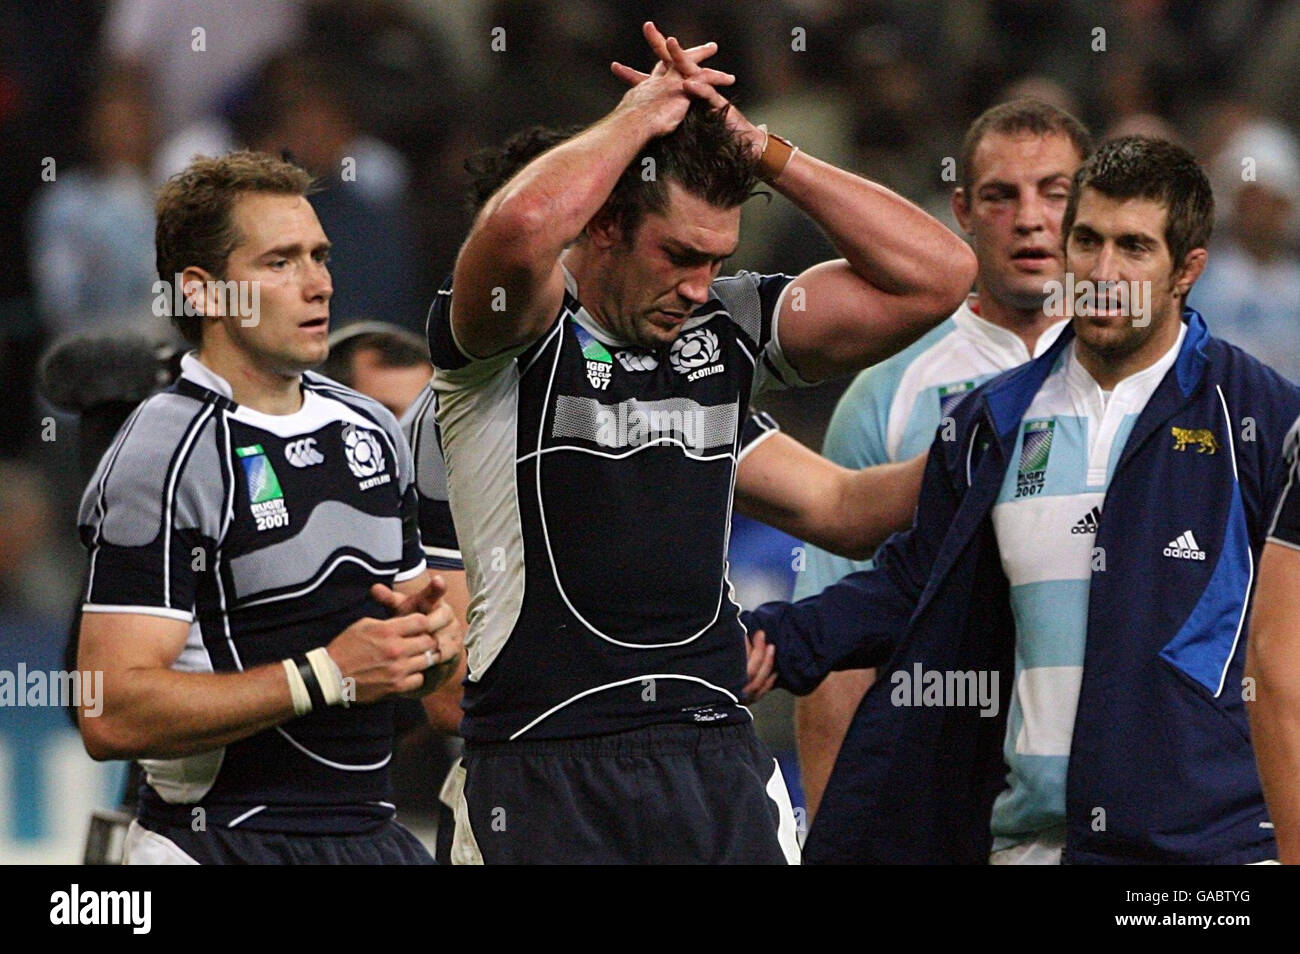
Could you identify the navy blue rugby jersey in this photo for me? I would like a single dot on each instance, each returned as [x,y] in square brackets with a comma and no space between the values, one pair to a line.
[264,533]
[591,484]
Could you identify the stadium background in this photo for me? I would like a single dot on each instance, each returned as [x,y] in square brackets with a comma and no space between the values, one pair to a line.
[102,99]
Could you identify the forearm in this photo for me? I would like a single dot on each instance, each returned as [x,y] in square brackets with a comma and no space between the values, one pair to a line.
[888,242]
[162,713]
[550,201]
[821,721]
[1275,732]
[875,502]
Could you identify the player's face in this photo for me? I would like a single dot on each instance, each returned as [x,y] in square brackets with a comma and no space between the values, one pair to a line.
[654,282]
[284,250]
[1019,187]
[394,388]
[1121,240]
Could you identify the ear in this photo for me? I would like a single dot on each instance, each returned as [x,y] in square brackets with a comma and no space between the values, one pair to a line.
[1193,265]
[195,287]
[960,204]
[603,231]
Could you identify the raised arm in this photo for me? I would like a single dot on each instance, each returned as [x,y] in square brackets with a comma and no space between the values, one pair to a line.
[508,284]
[902,271]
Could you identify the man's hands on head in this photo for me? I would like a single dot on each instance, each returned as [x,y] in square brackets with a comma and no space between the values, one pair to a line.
[665,93]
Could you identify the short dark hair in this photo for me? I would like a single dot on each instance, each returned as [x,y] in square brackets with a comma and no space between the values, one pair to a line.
[702,155]
[1021,116]
[395,347]
[1135,167]
[491,168]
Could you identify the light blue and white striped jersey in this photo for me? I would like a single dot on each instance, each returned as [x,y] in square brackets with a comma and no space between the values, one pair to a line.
[1045,520]
[891,411]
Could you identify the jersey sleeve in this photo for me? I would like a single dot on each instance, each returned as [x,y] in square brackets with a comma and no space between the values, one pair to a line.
[758,427]
[1285,529]
[754,303]
[455,367]
[413,562]
[855,439]
[437,531]
[151,516]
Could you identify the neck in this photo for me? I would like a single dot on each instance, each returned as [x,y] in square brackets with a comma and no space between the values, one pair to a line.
[252,384]
[1109,370]
[586,272]
[1028,324]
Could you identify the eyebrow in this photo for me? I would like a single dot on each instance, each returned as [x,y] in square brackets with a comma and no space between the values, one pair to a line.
[694,254]
[1141,238]
[295,248]
[1003,184]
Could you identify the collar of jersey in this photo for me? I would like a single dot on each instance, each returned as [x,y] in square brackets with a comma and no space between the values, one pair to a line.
[1134,391]
[314,413]
[1006,345]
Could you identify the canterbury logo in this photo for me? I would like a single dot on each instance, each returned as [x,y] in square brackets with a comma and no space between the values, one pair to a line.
[303,453]
[635,361]
[1185,547]
[1204,439]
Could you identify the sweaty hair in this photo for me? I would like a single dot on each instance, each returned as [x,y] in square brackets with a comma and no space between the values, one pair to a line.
[489,169]
[701,155]
[393,346]
[1135,167]
[195,222]
[1020,116]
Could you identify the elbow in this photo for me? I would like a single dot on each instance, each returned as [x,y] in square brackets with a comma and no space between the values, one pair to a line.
[106,739]
[513,225]
[956,277]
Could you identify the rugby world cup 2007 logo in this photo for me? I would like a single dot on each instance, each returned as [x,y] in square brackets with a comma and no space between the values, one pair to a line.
[695,354]
[1034,452]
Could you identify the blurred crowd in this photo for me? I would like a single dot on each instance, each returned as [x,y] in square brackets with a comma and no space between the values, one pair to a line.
[383,100]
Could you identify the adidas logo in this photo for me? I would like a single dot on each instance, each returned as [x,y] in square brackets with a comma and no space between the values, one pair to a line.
[1088,522]
[1185,548]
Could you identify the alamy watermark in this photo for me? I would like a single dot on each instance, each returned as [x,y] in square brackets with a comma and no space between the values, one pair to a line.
[1130,299]
[224,299]
[38,688]
[946,688]
[621,426]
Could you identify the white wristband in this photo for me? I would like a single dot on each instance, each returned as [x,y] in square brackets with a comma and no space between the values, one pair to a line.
[329,676]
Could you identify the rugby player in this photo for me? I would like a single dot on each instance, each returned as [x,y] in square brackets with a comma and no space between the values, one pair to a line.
[1016,163]
[1084,550]
[250,531]
[592,374]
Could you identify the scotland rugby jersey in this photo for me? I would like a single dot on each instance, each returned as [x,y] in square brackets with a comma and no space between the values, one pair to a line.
[1046,520]
[264,533]
[891,411]
[591,483]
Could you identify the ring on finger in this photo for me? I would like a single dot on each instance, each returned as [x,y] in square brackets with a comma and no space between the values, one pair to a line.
[430,660]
